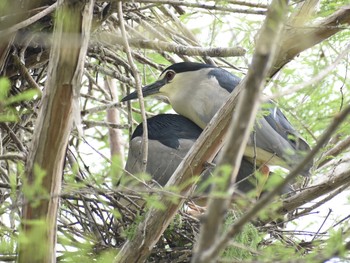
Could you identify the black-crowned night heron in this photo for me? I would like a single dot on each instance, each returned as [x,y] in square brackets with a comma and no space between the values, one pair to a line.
[197,91]
[171,136]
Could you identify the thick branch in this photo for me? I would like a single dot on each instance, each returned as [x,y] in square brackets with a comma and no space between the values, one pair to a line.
[113,116]
[240,127]
[297,39]
[53,129]
[333,181]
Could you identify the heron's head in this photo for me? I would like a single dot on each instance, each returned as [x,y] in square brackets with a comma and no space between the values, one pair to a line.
[175,79]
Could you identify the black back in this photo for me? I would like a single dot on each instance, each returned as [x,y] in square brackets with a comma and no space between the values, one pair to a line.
[227,80]
[169,129]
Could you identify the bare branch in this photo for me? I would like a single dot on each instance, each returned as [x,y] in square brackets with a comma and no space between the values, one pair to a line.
[203,6]
[335,151]
[138,87]
[13,156]
[110,39]
[111,125]
[332,181]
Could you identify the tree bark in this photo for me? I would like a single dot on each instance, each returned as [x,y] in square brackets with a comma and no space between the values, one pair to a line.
[55,120]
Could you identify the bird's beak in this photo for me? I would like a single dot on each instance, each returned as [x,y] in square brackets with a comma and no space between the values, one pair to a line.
[147,90]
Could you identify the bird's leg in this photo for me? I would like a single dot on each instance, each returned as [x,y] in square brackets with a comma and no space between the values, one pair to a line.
[265,171]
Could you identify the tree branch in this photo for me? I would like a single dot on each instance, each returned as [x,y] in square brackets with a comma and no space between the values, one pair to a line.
[334,180]
[242,122]
[161,46]
[137,78]
[52,131]
[203,6]
[297,39]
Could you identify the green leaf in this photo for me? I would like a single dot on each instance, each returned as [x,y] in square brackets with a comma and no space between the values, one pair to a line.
[9,117]
[23,96]
[4,88]
[34,190]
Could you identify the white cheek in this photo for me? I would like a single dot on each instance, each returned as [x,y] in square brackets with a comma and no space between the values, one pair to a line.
[195,97]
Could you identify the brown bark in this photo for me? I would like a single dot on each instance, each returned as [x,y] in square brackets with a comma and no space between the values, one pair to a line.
[53,128]
[336,178]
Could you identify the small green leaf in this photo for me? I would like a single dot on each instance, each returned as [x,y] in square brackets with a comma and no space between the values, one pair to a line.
[23,96]
[9,117]
[4,88]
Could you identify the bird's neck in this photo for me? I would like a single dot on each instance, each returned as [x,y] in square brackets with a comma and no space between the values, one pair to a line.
[195,110]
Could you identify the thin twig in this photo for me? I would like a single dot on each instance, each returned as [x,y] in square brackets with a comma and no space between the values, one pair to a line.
[89,124]
[96,109]
[138,86]
[324,221]
[24,71]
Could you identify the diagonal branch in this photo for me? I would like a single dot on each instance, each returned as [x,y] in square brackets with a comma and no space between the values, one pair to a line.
[242,121]
[297,39]
[265,200]
[332,181]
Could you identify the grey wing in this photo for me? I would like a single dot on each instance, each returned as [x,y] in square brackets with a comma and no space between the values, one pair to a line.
[280,123]
[134,161]
[162,160]
[276,135]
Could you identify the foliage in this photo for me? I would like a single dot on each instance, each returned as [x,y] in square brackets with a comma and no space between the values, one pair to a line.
[7,112]
[249,238]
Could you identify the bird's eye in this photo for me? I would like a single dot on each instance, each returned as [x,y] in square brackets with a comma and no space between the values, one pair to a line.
[170,75]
